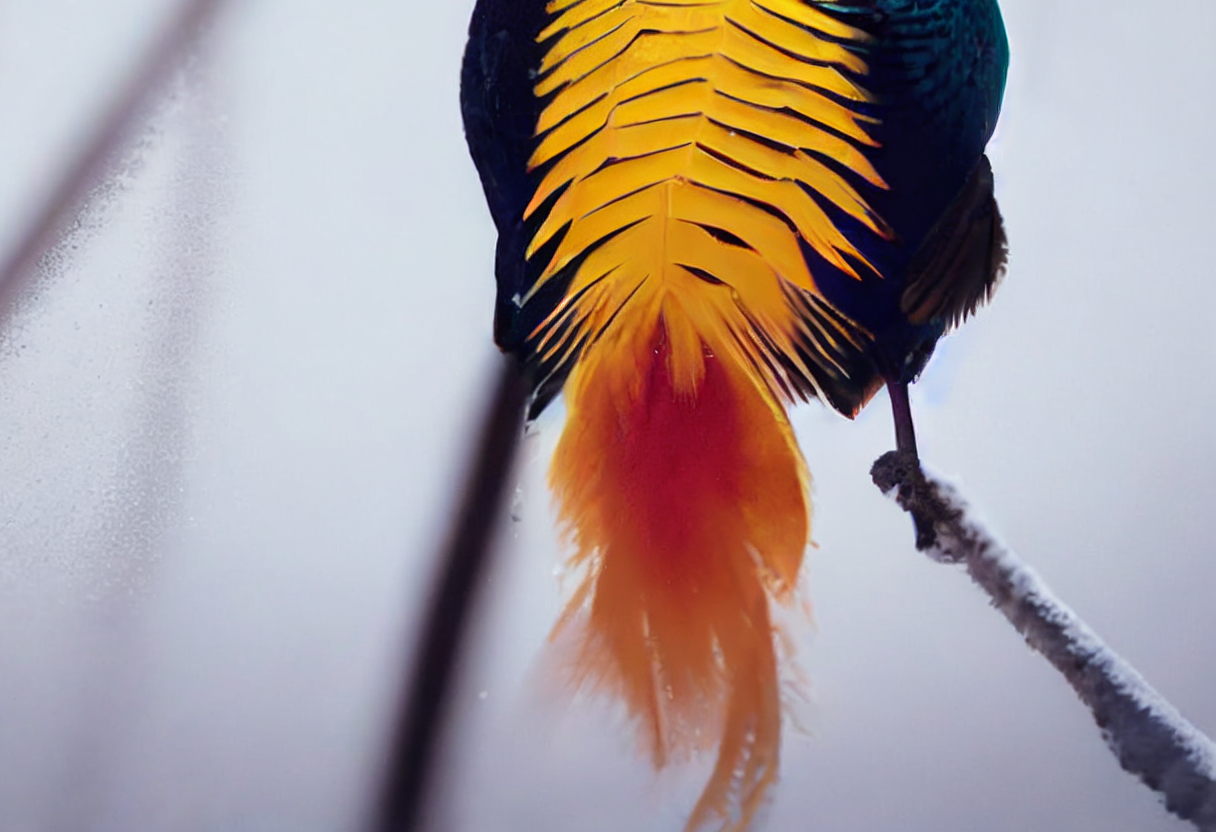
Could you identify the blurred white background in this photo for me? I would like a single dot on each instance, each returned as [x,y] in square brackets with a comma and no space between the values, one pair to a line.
[236,399]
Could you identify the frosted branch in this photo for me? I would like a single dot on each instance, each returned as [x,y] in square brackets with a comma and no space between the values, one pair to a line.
[1147,734]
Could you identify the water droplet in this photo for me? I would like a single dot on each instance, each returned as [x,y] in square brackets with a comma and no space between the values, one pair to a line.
[517,505]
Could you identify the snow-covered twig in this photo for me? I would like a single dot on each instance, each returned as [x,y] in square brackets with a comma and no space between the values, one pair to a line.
[1147,734]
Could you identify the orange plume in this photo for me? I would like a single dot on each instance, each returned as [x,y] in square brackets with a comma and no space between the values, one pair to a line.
[685,499]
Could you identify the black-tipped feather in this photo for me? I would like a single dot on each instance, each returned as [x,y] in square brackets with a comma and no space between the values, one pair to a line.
[961,260]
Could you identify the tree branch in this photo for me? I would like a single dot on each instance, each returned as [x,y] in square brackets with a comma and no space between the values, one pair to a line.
[112,129]
[1147,734]
[427,691]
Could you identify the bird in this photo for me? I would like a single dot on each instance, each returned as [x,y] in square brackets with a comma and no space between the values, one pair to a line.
[706,211]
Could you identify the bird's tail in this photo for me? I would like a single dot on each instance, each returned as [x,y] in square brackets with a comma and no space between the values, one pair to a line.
[685,499]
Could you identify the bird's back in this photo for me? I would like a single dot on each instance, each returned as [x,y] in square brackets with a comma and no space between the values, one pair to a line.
[903,95]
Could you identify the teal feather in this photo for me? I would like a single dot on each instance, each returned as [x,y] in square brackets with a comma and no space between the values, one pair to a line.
[938,71]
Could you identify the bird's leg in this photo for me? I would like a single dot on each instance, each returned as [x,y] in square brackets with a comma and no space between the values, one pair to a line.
[905,446]
[905,434]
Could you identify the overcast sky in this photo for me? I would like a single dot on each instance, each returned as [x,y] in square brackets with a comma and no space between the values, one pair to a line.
[234,404]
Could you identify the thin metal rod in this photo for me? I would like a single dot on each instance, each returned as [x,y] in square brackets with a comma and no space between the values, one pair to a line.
[424,701]
[112,131]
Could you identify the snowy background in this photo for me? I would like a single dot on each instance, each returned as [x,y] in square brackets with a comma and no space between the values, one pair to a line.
[235,401]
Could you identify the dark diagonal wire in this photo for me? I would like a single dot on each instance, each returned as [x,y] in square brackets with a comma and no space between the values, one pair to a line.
[425,696]
[112,130]
[427,693]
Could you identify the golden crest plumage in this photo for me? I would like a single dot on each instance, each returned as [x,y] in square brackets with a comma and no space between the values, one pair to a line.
[683,142]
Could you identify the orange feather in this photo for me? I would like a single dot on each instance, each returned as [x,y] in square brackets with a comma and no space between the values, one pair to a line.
[687,506]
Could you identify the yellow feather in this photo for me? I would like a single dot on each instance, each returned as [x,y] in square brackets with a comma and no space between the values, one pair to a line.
[682,177]
[650,136]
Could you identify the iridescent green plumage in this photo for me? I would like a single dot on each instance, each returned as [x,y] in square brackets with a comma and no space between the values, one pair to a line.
[937,70]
